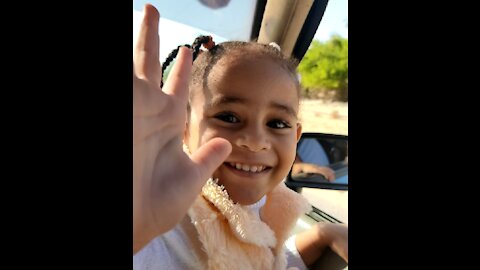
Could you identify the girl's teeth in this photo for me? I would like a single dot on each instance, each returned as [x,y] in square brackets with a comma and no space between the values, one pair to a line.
[247,168]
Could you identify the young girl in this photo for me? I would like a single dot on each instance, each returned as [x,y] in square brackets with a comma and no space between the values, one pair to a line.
[248,95]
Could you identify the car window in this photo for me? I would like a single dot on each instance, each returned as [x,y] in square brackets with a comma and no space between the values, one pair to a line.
[169,36]
[320,108]
[231,19]
[223,20]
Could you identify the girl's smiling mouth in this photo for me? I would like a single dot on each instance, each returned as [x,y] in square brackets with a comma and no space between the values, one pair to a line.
[247,169]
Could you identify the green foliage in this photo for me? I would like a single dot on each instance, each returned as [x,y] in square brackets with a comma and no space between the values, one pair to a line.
[325,67]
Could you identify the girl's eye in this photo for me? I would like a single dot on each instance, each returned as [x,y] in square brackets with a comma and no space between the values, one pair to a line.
[227,117]
[278,124]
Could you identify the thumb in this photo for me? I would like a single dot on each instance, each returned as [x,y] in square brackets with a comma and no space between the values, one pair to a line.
[210,156]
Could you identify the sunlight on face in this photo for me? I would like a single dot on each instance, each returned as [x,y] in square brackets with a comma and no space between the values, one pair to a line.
[253,103]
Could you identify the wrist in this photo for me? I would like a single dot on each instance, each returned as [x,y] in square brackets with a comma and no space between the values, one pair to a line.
[142,235]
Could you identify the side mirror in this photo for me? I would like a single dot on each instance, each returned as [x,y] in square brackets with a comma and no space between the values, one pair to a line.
[321,162]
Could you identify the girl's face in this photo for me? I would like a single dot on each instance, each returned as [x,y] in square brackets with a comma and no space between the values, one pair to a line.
[253,103]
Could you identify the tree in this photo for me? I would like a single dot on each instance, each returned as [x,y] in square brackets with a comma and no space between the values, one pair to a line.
[325,67]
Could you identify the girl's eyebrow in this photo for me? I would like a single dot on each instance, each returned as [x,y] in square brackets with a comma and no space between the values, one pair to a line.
[224,100]
[283,107]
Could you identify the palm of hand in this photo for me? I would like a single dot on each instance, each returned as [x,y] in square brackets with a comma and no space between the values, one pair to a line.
[166,181]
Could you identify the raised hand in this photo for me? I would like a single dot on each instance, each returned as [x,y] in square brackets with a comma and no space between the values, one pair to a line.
[165,180]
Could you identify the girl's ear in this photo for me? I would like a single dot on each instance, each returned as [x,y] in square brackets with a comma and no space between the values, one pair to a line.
[299,131]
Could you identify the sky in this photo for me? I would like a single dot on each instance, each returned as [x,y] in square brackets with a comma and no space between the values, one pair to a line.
[172,33]
[334,20]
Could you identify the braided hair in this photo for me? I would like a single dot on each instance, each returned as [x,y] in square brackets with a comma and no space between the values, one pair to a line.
[207,59]
[206,41]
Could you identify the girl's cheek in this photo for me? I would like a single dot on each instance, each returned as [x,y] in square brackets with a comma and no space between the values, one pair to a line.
[211,133]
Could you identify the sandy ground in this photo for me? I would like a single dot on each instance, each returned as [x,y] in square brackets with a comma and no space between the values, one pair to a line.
[317,116]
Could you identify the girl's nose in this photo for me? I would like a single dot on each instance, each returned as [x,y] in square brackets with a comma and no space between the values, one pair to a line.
[254,139]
